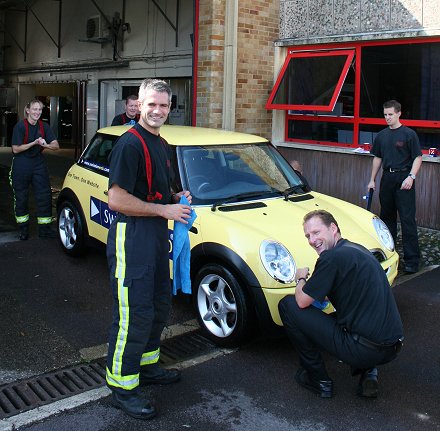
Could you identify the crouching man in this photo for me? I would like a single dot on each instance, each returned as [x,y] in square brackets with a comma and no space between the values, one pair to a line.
[367,330]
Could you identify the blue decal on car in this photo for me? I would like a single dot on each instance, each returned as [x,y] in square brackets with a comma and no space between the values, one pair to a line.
[100,212]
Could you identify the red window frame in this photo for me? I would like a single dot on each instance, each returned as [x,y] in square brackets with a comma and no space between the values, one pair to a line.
[356,120]
[348,53]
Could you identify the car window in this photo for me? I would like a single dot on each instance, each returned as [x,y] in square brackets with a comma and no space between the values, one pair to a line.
[217,172]
[95,157]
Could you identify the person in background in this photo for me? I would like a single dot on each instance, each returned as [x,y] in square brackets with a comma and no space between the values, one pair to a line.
[29,138]
[397,150]
[131,114]
[367,330]
[140,190]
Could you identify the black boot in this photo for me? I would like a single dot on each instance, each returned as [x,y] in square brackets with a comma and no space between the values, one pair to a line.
[24,232]
[368,385]
[154,374]
[133,405]
[45,231]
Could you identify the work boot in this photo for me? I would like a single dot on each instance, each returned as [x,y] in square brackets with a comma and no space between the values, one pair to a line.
[45,231]
[154,374]
[368,385]
[24,232]
[133,405]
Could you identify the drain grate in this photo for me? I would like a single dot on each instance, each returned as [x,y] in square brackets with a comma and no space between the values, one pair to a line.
[18,397]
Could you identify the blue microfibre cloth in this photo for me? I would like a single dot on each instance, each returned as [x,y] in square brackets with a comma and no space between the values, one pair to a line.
[182,252]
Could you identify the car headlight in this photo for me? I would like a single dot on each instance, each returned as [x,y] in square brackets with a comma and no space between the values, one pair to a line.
[383,233]
[277,261]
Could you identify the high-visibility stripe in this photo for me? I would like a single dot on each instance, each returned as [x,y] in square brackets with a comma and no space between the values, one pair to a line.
[44,220]
[120,250]
[125,382]
[22,219]
[150,357]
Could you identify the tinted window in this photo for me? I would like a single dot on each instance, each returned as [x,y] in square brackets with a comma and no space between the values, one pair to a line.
[95,157]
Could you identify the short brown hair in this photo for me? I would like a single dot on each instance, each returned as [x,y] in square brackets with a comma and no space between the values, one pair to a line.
[324,216]
[393,104]
[131,97]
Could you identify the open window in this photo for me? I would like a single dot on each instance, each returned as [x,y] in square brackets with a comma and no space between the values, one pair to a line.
[311,81]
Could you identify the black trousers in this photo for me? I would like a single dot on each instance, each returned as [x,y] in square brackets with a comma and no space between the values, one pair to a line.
[310,330]
[137,252]
[26,172]
[393,201]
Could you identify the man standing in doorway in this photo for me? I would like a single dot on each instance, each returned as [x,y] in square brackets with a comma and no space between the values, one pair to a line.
[397,150]
[131,114]
[140,190]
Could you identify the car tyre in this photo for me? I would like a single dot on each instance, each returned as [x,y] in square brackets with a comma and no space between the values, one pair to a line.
[221,306]
[71,229]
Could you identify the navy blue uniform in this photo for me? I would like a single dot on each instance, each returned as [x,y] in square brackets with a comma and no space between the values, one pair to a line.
[398,148]
[137,253]
[29,168]
[353,280]
[122,119]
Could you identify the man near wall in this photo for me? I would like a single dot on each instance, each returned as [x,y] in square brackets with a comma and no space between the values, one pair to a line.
[397,150]
[131,114]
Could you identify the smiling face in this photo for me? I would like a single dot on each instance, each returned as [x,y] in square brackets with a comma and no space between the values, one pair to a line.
[320,236]
[392,117]
[154,110]
[34,112]
[131,108]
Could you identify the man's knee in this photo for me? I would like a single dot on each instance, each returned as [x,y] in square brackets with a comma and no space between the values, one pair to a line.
[287,306]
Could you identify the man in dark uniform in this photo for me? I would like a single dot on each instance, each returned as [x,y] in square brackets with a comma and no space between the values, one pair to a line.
[367,330]
[29,138]
[140,181]
[131,114]
[397,150]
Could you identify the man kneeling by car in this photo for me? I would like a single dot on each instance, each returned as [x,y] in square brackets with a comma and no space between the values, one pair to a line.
[367,330]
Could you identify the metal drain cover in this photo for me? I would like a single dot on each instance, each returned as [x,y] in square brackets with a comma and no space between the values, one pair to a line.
[27,394]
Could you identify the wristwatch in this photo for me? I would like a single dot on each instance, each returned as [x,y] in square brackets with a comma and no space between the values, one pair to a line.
[412,176]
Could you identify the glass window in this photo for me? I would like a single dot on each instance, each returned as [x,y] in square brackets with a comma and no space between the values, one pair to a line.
[321,131]
[409,73]
[311,81]
[96,154]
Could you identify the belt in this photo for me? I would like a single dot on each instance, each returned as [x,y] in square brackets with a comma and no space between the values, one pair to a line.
[396,170]
[380,347]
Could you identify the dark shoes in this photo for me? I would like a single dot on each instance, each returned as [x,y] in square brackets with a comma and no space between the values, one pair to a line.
[133,405]
[154,374]
[24,233]
[410,269]
[368,385]
[324,388]
[45,231]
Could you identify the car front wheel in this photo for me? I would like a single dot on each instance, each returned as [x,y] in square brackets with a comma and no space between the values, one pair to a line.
[221,306]
[71,229]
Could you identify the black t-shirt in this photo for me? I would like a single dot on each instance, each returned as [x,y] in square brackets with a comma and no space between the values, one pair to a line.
[122,119]
[396,147]
[127,165]
[356,284]
[34,132]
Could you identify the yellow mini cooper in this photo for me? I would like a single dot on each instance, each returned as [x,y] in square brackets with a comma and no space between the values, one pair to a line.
[247,239]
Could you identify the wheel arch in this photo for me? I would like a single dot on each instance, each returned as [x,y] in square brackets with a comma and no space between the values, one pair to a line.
[69,195]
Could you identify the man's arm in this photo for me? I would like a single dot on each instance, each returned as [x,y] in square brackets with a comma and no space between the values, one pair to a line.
[121,201]
[302,299]
[53,145]
[377,163]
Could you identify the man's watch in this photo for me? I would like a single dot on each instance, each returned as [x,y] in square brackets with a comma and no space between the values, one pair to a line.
[412,176]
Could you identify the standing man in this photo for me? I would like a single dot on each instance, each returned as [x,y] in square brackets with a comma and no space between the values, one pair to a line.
[397,150]
[131,114]
[140,180]
[367,330]
[29,138]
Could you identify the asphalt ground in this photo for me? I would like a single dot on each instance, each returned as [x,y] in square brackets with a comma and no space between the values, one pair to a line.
[253,387]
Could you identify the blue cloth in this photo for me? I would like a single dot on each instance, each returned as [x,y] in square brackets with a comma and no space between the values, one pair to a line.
[182,252]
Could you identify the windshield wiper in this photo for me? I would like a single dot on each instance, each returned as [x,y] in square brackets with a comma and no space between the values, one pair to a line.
[239,197]
[293,189]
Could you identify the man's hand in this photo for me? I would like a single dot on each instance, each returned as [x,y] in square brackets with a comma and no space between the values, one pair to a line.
[371,185]
[302,273]
[177,212]
[407,184]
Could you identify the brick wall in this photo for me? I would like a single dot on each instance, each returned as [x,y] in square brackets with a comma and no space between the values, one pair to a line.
[258,27]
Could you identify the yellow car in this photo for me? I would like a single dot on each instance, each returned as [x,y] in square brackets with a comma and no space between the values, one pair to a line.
[247,239]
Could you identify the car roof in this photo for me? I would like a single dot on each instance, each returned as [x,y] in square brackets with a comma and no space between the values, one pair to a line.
[188,135]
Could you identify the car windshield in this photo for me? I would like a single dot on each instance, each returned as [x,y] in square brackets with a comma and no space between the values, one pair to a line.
[218,174]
